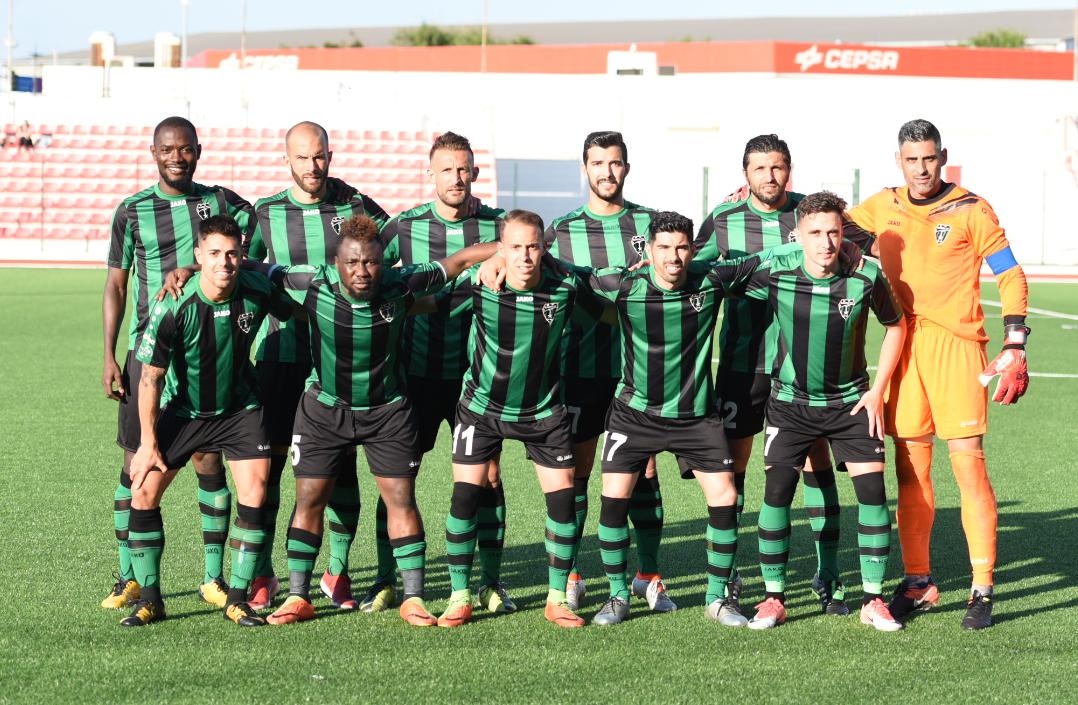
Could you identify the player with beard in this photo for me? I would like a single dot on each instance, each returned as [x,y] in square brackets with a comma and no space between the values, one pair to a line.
[608,231]
[301,225]
[436,350]
[766,216]
[155,231]
[356,310]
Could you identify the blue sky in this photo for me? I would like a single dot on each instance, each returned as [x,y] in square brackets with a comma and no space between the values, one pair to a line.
[65,25]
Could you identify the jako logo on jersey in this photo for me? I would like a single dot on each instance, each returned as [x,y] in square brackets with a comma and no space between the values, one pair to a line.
[942,231]
[850,59]
[549,310]
[336,224]
[146,349]
[697,300]
[388,311]
[203,210]
[244,321]
[222,314]
[845,307]
[637,243]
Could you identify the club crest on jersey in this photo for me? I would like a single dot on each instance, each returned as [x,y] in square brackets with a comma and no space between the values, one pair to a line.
[942,231]
[791,236]
[244,321]
[697,300]
[388,311]
[637,243]
[845,308]
[336,224]
[203,210]
[549,310]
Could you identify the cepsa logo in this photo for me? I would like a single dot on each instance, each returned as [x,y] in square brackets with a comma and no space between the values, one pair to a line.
[848,59]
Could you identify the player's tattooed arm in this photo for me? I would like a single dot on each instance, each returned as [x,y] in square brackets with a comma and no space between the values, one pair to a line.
[872,400]
[114,302]
[148,457]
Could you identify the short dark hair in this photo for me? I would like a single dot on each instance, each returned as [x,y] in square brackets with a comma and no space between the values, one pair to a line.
[669,222]
[453,142]
[820,202]
[919,131]
[219,225]
[606,139]
[175,122]
[765,144]
[360,228]
[519,215]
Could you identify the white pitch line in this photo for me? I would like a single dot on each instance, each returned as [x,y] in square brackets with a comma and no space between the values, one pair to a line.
[1041,311]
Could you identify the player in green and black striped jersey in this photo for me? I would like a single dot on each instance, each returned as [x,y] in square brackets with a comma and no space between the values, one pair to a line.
[821,389]
[437,344]
[511,391]
[301,225]
[664,401]
[154,232]
[197,350]
[765,216]
[606,232]
[356,311]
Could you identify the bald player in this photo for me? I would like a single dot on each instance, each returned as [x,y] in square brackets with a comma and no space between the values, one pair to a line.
[302,225]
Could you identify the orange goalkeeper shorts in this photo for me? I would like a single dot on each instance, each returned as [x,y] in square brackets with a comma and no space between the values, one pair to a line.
[935,389]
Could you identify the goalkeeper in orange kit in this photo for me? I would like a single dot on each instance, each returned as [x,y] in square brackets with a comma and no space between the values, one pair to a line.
[933,237]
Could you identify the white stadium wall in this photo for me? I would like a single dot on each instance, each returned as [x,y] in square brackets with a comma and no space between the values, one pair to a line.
[1006,135]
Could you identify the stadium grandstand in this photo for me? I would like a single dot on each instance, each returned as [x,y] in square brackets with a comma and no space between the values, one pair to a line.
[526,107]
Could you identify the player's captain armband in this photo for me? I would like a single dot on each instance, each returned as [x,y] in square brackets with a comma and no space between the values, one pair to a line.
[1001,261]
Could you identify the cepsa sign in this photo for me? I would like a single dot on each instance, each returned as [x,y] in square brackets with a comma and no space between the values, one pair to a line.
[843,59]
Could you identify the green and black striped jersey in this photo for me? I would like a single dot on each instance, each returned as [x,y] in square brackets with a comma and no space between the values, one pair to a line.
[157,233]
[355,344]
[821,324]
[747,340]
[206,345]
[668,333]
[592,350]
[437,343]
[515,343]
[287,233]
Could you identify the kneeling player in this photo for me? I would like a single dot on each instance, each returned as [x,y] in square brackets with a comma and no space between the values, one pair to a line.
[203,340]
[511,391]
[357,310]
[820,390]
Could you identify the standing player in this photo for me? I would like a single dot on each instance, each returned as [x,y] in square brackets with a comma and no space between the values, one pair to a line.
[511,391]
[202,340]
[667,313]
[606,232]
[436,355]
[765,217]
[933,238]
[821,391]
[357,311]
[301,225]
[154,231]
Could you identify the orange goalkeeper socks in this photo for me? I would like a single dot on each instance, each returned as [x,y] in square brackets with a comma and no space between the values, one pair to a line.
[916,504]
[978,512]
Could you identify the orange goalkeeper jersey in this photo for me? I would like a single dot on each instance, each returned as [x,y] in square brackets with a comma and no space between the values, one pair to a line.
[932,251]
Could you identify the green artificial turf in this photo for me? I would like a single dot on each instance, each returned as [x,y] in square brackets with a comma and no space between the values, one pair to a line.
[59,468]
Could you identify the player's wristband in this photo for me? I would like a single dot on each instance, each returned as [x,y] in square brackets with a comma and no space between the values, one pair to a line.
[1015,335]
